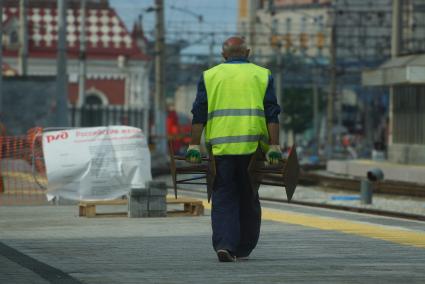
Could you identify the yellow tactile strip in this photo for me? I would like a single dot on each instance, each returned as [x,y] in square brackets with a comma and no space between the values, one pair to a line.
[391,234]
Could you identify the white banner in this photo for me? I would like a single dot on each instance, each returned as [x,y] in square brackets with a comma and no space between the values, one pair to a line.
[96,163]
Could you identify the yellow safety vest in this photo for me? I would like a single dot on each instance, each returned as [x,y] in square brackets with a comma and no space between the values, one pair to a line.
[236,121]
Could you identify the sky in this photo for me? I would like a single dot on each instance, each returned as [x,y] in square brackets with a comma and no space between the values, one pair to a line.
[182,23]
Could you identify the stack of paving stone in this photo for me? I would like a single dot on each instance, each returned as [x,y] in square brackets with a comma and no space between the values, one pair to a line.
[148,202]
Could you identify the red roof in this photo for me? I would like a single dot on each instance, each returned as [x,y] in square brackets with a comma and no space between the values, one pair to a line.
[106,34]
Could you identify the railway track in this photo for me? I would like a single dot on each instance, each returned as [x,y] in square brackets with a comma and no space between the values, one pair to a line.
[379,212]
[386,213]
[308,177]
[353,184]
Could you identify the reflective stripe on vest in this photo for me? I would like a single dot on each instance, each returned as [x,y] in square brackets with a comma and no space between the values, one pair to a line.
[238,139]
[236,120]
[236,112]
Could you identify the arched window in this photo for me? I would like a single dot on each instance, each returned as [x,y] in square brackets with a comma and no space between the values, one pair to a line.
[93,110]
[13,37]
[92,99]
[95,97]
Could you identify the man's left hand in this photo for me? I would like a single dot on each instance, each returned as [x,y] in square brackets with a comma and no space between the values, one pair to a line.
[193,154]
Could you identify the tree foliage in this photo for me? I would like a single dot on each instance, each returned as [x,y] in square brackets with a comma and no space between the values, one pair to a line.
[297,105]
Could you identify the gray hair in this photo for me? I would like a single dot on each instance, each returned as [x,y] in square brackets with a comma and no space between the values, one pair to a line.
[235,50]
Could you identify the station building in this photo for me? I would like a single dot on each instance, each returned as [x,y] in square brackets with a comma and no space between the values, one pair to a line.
[117,65]
[404,76]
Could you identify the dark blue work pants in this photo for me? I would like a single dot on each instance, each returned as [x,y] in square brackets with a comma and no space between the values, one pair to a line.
[236,210]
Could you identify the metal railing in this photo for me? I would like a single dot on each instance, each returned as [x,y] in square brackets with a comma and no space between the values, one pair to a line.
[98,115]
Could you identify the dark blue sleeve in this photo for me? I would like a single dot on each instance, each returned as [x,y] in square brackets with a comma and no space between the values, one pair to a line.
[200,105]
[271,107]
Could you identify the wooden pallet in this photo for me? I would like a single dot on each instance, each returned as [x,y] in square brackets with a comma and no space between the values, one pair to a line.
[88,208]
[191,207]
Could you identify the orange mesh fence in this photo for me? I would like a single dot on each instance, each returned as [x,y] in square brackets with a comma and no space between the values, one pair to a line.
[23,178]
[22,171]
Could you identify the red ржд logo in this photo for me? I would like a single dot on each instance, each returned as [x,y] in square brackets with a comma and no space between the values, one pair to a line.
[60,136]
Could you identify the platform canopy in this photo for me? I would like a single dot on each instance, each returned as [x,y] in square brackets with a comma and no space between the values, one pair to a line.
[408,69]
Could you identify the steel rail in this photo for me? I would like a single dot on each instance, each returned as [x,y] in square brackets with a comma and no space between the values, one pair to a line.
[385,213]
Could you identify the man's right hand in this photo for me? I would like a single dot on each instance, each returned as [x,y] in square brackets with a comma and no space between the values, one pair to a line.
[274,155]
[193,154]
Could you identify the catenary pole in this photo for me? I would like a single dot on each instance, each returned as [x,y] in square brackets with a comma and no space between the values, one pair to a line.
[278,72]
[1,59]
[396,46]
[251,24]
[279,87]
[332,90]
[396,28]
[23,38]
[82,55]
[62,76]
[159,77]
[316,110]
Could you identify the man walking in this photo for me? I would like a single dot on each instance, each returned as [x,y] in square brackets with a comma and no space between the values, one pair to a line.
[236,103]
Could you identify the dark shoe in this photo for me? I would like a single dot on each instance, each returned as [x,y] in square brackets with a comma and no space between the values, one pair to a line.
[225,256]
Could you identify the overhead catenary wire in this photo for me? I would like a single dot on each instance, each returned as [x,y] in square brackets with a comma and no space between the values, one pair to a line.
[175,28]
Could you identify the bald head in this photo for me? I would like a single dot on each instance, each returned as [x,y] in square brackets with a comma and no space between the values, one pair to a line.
[235,47]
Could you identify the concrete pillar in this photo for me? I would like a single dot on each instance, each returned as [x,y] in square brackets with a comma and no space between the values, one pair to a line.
[366,191]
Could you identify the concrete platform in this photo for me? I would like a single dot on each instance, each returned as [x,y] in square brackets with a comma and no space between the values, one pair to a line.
[41,244]
[392,171]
